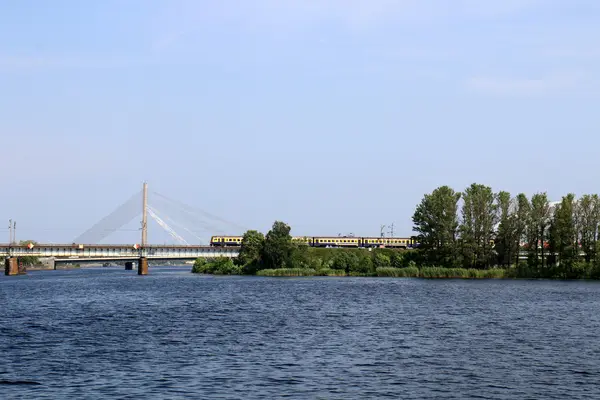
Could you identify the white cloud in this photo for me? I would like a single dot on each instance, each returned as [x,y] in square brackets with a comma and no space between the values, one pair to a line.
[504,86]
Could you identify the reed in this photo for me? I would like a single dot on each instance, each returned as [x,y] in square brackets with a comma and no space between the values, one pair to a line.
[330,272]
[287,272]
[409,272]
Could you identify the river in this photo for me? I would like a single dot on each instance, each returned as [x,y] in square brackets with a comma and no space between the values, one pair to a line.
[108,333]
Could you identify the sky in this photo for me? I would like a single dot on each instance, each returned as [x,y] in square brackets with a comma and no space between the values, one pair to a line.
[335,116]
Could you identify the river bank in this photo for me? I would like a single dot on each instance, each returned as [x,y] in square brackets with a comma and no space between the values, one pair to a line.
[425,273]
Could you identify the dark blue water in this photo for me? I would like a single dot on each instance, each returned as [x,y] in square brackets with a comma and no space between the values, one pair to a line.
[108,333]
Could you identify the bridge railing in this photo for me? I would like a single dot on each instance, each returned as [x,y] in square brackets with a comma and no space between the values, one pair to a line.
[112,251]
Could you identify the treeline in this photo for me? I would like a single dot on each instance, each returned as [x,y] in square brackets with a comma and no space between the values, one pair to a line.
[478,228]
[477,233]
[278,251]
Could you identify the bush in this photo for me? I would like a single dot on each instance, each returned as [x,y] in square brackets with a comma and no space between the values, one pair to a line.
[381,260]
[345,260]
[218,266]
[199,265]
[397,260]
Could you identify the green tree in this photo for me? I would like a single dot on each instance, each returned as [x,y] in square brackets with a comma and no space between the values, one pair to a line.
[278,247]
[507,238]
[523,217]
[381,260]
[588,218]
[479,215]
[250,251]
[563,232]
[346,261]
[300,256]
[539,222]
[436,222]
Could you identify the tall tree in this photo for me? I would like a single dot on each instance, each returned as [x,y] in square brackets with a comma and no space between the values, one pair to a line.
[523,216]
[539,222]
[507,238]
[436,223]
[278,246]
[563,232]
[588,218]
[479,215]
[252,244]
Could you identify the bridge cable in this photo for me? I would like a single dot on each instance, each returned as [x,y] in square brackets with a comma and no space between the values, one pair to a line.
[113,221]
[197,220]
[165,226]
[191,210]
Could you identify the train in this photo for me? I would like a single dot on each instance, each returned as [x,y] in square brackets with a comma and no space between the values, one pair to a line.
[331,241]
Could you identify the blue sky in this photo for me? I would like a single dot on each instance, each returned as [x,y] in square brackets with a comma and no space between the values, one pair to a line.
[334,116]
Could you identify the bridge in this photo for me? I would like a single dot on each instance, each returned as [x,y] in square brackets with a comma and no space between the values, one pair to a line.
[86,247]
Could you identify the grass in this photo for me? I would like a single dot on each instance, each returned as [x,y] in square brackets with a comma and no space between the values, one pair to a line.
[409,272]
[331,272]
[287,272]
[461,273]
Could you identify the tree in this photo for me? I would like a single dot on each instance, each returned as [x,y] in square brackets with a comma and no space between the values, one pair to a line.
[588,218]
[523,216]
[538,228]
[251,247]
[436,222]
[278,247]
[507,238]
[346,261]
[381,260]
[563,232]
[479,215]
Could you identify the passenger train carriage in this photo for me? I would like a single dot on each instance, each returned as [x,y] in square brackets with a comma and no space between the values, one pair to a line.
[330,241]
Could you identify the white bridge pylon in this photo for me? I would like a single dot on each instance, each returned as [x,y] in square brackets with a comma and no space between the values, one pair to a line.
[154,214]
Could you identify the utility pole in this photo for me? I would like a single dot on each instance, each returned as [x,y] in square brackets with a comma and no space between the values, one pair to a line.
[15,232]
[382,232]
[144,215]
[392,230]
[10,224]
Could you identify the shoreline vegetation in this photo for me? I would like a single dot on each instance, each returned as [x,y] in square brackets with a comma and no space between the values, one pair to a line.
[473,234]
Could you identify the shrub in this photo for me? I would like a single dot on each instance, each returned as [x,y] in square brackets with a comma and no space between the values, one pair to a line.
[381,260]
[345,260]
[218,266]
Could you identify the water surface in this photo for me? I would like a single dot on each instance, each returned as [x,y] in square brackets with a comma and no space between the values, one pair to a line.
[108,333]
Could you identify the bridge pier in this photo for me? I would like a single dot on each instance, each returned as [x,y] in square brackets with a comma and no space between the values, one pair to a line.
[129,266]
[11,266]
[143,266]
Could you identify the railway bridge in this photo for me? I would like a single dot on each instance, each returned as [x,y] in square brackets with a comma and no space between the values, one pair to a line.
[81,252]
[64,253]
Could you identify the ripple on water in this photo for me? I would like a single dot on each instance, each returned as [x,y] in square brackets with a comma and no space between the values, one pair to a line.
[109,333]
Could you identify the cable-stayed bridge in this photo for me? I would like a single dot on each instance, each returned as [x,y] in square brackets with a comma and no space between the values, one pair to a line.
[87,247]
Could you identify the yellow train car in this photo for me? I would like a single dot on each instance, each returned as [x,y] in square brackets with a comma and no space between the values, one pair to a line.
[387,242]
[336,241]
[226,240]
[331,241]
